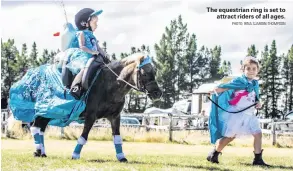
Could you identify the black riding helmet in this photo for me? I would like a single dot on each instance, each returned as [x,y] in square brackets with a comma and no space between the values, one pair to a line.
[83,17]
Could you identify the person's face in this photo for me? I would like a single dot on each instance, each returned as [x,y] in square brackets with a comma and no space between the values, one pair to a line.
[94,23]
[251,71]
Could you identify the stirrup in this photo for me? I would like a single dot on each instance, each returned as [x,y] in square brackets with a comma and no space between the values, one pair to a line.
[76,92]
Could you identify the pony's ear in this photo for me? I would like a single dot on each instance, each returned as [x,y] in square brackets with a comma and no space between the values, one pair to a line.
[139,60]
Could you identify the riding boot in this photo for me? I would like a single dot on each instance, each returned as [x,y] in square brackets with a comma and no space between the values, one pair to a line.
[258,160]
[213,156]
[76,89]
[84,79]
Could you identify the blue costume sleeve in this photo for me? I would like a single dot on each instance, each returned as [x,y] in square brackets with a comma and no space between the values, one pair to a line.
[216,121]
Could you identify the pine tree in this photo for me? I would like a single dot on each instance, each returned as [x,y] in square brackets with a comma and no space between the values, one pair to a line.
[290,95]
[143,48]
[225,69]
[21,65]
[33,60]
[164,75]
[133,50]
[113,57]
[181,45]
[215,63]
[148,49]
[251,51]
[123,55]
[197,63]
[9,54]
[264,87]
[46,57]
[52,56]
[105,46]
[286,82]
[274,79]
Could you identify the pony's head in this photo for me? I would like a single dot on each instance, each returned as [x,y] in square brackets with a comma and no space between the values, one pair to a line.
[143,74]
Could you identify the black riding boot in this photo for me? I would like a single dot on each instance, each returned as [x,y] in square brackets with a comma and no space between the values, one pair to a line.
[84,80]
[213,156]
[258,160]
[76,89]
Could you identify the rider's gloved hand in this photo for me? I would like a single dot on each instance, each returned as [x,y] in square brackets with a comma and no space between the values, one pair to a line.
[107,59]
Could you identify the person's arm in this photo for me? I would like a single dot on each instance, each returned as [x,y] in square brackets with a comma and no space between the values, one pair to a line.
[104,54]
[257,99]
[81,41]
[218,90]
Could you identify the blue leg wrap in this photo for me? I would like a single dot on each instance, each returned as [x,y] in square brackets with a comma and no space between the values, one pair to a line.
[78,148]
[118,148]
[76,153]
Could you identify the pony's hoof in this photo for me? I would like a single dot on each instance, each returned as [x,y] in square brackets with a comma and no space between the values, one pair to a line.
[75,156]
[124,160]
[43,155]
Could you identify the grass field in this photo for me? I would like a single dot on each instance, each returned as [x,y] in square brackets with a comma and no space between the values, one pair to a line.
[100,155]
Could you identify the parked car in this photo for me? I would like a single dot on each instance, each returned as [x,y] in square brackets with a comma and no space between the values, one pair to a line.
[130,122]
[289,116]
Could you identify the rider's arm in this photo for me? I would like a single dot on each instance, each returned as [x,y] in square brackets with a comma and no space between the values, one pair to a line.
[82,46]
[104,54]
[101,50]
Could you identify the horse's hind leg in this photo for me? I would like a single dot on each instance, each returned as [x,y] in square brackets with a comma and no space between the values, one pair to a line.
[37,130]
[115,125]
[89,122]
[43,126]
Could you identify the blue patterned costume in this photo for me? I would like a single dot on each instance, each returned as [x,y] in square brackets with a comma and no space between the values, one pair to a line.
[41,92]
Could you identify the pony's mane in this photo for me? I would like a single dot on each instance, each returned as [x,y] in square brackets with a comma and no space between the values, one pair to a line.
[136,57]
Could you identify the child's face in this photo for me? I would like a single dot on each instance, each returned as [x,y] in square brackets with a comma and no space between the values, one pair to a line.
[251,71]
[94,23]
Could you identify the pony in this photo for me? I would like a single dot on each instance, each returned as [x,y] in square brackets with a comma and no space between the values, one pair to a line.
[106,99]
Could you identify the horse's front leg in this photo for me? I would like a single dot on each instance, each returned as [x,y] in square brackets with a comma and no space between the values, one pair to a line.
[89,121]
[115,124]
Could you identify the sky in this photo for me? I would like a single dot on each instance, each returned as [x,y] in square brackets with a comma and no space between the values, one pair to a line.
[124,24]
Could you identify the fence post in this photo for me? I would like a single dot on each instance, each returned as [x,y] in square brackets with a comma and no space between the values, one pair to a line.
[62,132]
[170,128]
[273,132]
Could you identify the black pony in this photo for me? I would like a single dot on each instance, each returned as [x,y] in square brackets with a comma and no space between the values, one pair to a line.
[106,100]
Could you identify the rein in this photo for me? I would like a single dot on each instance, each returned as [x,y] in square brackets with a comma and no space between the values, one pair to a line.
[133,86]
[227,110]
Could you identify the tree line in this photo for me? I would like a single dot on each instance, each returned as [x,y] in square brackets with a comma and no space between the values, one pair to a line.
[182,66]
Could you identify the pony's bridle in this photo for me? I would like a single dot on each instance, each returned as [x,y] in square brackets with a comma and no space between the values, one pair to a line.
[141,86]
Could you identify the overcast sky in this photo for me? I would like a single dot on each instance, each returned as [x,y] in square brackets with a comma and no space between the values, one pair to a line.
[132,23]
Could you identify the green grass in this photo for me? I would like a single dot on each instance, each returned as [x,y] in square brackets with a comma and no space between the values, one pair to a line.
[100,155]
